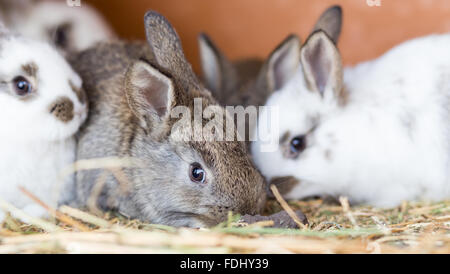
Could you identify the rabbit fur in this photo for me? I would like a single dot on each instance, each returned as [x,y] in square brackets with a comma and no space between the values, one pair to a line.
[69,29]
[37,140]
[132,88]
[377,133]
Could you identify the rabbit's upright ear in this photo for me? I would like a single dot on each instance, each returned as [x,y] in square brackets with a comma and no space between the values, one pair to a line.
[283,62]
[330,22]
[168,52]
[322,66]
[150,94]
[215,65]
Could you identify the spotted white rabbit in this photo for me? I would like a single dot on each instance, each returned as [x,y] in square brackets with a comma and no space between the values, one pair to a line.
[42,106]
[378,133]
[67,28]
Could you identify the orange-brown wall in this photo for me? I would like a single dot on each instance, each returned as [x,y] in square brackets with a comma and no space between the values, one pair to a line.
[244,28]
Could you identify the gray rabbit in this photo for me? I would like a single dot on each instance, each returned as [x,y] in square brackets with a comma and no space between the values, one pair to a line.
[249,82]
[132,88]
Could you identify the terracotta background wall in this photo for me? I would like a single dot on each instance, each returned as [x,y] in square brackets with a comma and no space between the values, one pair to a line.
[245,28]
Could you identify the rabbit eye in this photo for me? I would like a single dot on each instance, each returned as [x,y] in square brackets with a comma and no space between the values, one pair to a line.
[21,86]
[297,145]
[197,173]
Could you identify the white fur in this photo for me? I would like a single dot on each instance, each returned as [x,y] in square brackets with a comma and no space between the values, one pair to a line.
[372,156]
[35,146]
[37,21]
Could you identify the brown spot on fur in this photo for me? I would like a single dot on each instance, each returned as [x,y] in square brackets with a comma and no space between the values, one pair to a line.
[343,96]
[30,69]
[81,95]
[62,109]
[285,137]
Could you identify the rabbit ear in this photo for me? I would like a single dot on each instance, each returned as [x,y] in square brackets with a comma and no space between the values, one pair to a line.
[150,94]
[322,64]
[215,65]
[283,62]
[166,46]
[330,22]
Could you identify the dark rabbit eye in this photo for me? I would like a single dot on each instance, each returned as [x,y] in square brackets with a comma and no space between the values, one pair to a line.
[197,173]
[21,86]
[297,145]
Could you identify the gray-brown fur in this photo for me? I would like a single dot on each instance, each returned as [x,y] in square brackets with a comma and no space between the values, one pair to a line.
[245,82]
[30,69]
[331,23]
[248,82]
[118,126]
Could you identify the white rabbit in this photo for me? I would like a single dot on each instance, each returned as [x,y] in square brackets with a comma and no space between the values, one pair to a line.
[378,133]
[68,28]
[42,106]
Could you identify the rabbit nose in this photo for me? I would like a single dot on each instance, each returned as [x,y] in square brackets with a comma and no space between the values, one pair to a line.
[62,109]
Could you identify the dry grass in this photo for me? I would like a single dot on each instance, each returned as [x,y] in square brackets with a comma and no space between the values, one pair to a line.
[410,228]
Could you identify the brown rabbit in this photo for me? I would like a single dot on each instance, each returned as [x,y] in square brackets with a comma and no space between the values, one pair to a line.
[251,81]
[133,89]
